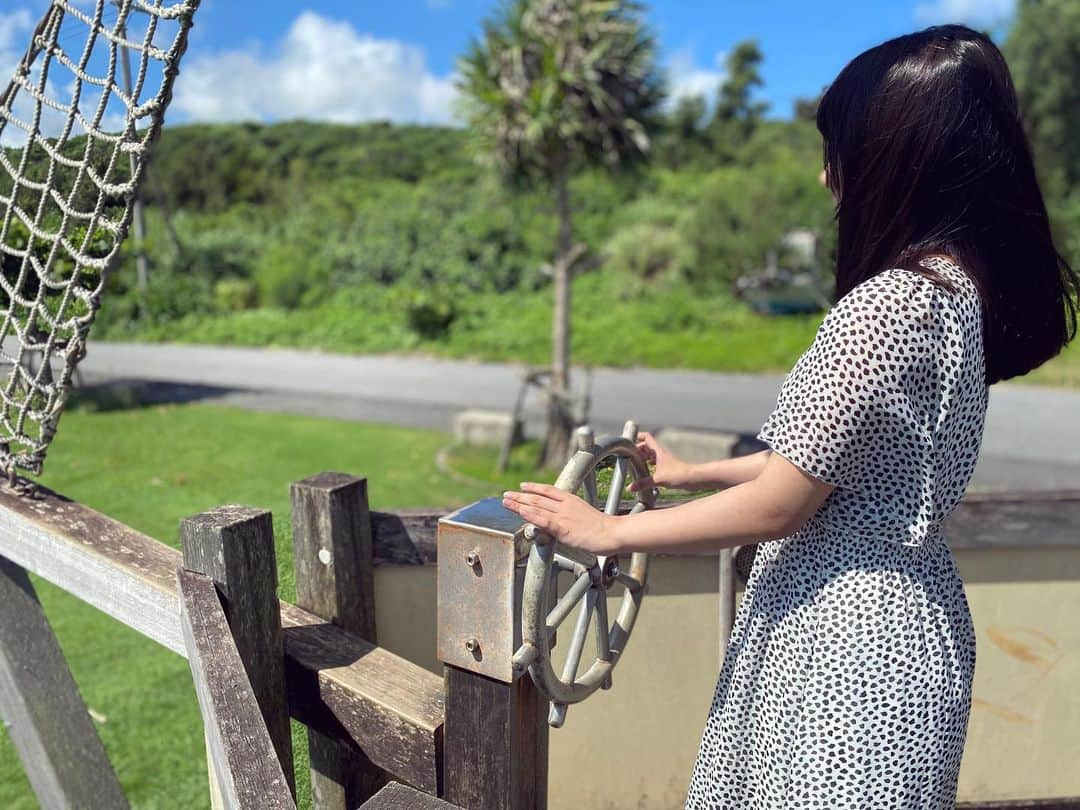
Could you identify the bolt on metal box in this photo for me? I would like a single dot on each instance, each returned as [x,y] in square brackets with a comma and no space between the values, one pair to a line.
[482,557]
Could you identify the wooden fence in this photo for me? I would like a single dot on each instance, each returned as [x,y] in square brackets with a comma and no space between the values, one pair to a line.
[372,717]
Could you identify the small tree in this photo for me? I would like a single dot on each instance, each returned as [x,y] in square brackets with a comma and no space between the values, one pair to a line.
[806,107]
[737,115]
[685,140]
[551,87]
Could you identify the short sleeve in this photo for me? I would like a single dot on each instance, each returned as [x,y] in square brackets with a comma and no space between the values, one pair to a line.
[857,409]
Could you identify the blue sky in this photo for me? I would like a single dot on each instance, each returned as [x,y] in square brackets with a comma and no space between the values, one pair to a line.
[352,61]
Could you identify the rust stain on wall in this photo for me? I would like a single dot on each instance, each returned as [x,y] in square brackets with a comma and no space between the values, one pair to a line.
[1004,712]
[1012,642]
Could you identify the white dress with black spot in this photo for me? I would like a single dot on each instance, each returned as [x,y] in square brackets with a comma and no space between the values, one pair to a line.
[847,682]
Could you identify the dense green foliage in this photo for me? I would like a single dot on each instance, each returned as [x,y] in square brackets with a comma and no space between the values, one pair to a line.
[298,216]
[1043,50]
[616,321]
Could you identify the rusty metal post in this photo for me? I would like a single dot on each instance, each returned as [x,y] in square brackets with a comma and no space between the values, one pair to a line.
[727,598]
[495,736]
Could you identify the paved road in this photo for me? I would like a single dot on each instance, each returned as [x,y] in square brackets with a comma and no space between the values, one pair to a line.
[1032,438]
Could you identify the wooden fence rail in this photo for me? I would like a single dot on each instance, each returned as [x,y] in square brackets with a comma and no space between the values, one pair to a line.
[343,686]
[396,796]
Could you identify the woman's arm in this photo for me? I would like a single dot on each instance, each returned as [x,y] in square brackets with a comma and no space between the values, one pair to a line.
[672,472]
[727,472]
[774,504]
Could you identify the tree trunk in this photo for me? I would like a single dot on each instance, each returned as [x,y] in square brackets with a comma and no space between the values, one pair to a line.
[560,425]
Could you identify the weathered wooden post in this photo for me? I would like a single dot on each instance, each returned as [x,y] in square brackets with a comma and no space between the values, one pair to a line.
[234,546]
[40,704]
[495,748]
[332,551]
[244,764]
[396,796]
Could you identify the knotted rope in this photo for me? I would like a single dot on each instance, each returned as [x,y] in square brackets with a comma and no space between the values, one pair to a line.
[66,194]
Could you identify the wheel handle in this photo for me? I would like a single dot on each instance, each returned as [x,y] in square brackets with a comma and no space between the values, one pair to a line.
[594,575]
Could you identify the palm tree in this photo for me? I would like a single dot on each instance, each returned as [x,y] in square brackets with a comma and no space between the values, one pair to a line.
[551,87]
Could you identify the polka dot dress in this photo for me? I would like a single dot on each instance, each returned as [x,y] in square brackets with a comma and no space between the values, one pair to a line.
[847,682]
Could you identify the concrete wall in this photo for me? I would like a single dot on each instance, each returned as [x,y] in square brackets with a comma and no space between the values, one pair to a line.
[1024,734]
[634,746]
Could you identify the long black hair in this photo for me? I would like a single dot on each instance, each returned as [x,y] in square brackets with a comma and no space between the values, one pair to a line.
[926,152]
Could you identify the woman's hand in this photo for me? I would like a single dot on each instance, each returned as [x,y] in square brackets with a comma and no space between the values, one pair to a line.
[564,516]
[668,471]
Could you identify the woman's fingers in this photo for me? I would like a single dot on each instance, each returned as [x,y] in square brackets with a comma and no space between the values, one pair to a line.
[542,512]
[642,483]
[538,518]
[531,501]
[648,445]
[546,490]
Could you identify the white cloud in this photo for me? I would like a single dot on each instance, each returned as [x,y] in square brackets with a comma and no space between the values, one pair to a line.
[972,12]
[687,78]
[12,27]
[15,28]
[323,69]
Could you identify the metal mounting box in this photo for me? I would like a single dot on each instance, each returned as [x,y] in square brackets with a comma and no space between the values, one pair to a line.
[481,569]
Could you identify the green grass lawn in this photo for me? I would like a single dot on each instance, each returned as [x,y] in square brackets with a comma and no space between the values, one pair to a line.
[150,467]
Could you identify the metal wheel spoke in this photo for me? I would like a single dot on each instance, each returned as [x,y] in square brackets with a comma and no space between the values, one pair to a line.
[577,643]
[563,563]
[631,584]
[566,604]
[590,487]
[618,479]
[603,645]
[552,589]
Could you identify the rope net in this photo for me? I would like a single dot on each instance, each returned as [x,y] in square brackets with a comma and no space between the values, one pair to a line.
[85,104]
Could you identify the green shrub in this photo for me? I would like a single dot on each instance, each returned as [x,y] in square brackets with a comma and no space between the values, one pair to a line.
[233,294]
[742,213]
[212,248]
[650,252]
[286,270]
[430,311]
[1066,219]
[170,297]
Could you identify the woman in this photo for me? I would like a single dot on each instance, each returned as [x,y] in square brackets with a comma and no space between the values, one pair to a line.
[847,681]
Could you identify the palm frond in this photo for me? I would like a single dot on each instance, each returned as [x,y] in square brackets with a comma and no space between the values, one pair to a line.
[558,81]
